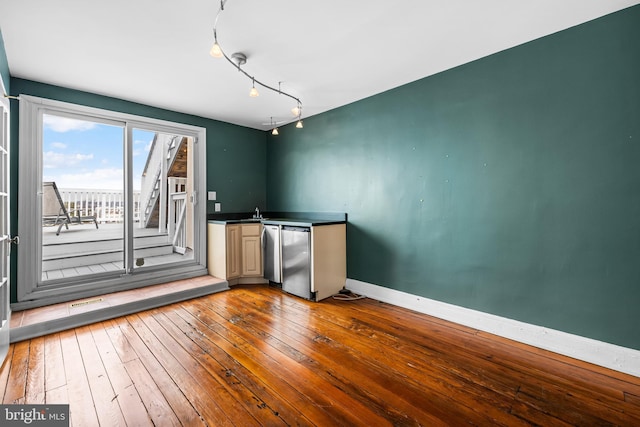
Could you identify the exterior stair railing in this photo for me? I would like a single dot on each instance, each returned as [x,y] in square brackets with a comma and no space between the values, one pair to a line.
[177,214]
[153,192]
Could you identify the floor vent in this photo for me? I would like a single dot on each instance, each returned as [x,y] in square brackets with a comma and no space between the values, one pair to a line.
[89,301]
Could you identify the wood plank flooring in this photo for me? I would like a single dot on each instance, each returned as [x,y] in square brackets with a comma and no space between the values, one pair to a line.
[256,356]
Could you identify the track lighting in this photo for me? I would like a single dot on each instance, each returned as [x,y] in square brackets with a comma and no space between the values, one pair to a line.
[297,111]
[215,51]
[274,131]
[238,59]
[254,92]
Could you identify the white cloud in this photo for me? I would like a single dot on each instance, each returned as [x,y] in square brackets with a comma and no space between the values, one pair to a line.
[54,160]
[103,179]
[64,124]
[145,149]
[99,179]
[60,145]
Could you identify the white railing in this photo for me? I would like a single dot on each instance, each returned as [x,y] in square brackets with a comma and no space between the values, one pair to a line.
[177,221]
[106,205]
[176,217]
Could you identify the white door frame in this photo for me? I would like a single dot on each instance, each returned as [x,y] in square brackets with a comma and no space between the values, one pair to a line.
[5,230]
[32,291]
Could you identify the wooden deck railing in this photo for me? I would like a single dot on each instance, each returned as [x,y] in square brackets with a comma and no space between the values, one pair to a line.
[107,205]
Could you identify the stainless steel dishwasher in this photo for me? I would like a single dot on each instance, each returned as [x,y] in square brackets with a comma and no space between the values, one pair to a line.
[296,261]
[272,254]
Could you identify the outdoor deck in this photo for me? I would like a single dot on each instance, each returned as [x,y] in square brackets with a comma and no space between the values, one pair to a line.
[83,249]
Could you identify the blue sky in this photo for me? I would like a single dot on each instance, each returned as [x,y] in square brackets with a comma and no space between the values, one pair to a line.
[82,154]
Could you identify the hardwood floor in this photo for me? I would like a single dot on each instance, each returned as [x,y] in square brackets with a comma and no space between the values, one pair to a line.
[39,321]
[256,356]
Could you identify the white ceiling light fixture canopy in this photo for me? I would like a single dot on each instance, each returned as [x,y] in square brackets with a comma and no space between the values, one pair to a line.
[238,59]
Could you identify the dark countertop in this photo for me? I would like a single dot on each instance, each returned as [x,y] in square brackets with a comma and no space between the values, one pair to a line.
[295,219]
[297,222]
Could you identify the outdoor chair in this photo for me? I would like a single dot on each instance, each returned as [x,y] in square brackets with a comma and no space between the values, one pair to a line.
[54,212]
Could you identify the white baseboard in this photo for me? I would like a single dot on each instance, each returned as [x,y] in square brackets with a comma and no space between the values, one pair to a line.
[589,350]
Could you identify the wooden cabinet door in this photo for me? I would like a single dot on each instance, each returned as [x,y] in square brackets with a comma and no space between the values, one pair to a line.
[251,256]
[329,259]
[233,251]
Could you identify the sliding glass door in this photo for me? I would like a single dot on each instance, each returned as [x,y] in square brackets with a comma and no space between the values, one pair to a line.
[82,201]
[110,204]
[163,188]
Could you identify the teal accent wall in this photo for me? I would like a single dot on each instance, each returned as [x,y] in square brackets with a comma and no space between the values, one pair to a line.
[4,66]
[236,156]
[509,185]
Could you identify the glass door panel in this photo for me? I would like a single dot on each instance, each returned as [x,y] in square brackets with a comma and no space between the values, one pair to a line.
[83,203]
[162,189]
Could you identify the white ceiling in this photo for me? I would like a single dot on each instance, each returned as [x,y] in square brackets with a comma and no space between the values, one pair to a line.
[327,52]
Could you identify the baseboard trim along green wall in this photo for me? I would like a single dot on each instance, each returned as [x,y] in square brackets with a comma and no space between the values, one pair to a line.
[599,353]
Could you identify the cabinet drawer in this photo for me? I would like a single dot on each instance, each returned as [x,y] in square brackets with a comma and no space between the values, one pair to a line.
[251,229]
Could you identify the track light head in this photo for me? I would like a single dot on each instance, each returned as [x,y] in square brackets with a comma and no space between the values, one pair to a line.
[253,92]
[216,51]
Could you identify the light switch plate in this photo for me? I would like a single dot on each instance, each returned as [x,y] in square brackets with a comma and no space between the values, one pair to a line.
[218,207]
[211,195]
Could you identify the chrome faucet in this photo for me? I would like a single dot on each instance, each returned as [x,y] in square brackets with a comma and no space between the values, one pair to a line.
[257,214]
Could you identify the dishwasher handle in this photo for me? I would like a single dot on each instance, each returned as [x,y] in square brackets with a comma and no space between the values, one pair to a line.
[263,247]
[298,229]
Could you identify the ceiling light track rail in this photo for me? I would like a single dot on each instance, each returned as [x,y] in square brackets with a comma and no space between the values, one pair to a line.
[233,61]
[238,59]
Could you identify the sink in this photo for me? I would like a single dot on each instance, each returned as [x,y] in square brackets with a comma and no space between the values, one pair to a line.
[251,220]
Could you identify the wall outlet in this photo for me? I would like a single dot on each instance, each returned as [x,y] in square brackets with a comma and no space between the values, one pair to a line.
[218,207]
[211,195]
